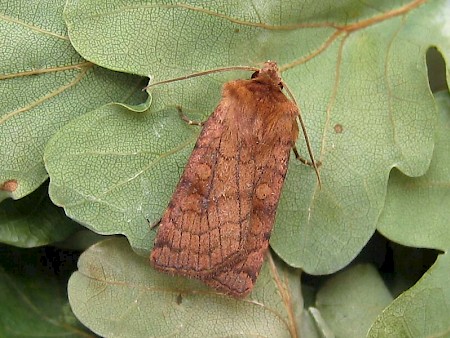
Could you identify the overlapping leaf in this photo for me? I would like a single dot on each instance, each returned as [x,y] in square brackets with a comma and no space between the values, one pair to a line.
[34,221]
[358,72]
[416,214]
[359,76]
[44,83]
[115,293]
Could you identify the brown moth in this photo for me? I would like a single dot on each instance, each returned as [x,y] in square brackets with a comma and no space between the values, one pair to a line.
[218,224]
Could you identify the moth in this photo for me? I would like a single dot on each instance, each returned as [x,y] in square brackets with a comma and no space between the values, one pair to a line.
[217,225]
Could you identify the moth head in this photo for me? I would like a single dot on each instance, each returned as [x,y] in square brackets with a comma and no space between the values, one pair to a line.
[269,72]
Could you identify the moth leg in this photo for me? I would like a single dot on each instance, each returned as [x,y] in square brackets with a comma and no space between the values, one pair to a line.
[303,160]
[188,120]
[155,224]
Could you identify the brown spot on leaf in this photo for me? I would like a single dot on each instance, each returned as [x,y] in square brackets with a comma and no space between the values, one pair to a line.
[10,186]
[338,128]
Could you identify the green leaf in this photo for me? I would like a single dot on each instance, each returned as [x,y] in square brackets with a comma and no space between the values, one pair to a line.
[315,325]
[357,70]
[116,293]
[350,301]
[416,214]
[33,294]
[423,310]
[44,84]
[115,180]
[34,221]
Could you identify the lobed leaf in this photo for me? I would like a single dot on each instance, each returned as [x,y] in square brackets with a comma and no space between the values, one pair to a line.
[416,214]
[358,74]
[115,293]
[44,84]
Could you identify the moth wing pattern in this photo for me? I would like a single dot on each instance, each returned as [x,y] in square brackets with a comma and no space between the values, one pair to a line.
[238,278]
[201,230]
[218,224]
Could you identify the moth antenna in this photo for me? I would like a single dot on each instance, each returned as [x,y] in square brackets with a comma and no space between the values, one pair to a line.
[205,72]
[305,134]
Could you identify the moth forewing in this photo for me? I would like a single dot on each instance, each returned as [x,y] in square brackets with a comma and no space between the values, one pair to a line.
[218,223]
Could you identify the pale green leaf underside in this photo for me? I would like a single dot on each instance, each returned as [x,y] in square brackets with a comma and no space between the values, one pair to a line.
[364,95]
[115,293]
[416,214]
[421,311]
[417,209]
[44,83]
[350,301]
[34,221]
